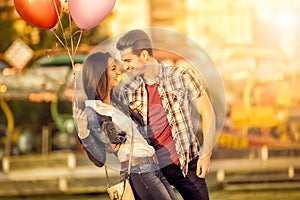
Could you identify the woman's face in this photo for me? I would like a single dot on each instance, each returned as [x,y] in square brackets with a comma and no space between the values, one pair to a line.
[112,74]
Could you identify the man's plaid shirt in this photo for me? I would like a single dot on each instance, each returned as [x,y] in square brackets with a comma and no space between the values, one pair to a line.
[177,88]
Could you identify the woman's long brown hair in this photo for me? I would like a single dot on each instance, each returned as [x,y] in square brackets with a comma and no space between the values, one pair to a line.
[94,76]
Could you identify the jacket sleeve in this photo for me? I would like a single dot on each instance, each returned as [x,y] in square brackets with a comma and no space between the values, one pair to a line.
[93,144]
[95,153]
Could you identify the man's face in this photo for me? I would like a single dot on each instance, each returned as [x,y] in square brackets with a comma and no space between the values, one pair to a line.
[133,63]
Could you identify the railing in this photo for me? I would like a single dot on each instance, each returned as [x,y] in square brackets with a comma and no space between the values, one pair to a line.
[70,172]
[63,172]
[273,168]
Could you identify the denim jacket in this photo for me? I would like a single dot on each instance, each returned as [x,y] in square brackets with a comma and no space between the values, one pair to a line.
[95,143]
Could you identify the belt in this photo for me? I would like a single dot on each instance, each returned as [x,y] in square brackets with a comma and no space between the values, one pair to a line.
[139,161]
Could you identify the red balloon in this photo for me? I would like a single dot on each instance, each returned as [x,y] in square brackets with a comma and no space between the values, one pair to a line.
[39,13]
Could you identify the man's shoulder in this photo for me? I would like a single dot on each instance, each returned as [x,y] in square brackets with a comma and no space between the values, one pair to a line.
[174,71]
[129,85]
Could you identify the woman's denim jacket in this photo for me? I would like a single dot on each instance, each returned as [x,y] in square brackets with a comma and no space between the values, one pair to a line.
[96,142]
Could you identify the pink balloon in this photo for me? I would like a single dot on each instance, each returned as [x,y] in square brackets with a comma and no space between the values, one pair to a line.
[89,13]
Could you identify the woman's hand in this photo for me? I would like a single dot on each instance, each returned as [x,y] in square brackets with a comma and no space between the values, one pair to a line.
[81,122]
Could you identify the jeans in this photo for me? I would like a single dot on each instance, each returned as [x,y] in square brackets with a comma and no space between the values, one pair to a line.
[149,183]
[191,186]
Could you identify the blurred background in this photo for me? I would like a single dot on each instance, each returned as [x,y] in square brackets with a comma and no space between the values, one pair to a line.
[254,45]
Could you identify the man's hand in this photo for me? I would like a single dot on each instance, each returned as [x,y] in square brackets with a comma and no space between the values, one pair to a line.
[110,131]
[203,166]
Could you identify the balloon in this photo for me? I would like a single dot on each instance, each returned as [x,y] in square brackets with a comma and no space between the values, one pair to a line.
[39,13]
[89,13]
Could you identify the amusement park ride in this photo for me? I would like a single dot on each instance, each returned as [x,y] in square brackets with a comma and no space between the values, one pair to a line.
[263,109]
[47,78]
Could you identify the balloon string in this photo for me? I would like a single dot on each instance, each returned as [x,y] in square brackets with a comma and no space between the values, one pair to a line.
[80,35]
[71,39]
[72,53]
[61,26]
[60,41]
[65,45]
[75,96]
[75,91]
[75,75]
[64,35]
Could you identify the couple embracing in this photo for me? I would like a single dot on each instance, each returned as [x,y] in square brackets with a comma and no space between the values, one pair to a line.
[153,111]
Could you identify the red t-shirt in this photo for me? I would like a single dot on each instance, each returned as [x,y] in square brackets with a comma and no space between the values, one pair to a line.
[159,129]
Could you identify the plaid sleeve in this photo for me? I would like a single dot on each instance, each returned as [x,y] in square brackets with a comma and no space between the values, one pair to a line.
[194,88]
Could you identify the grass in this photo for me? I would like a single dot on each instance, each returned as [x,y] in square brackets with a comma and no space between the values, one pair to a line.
[215,194]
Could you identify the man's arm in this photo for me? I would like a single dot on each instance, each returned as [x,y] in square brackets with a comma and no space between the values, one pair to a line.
[205,109]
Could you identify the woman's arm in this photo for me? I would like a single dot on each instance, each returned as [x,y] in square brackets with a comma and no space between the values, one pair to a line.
[96,153]
[94,148]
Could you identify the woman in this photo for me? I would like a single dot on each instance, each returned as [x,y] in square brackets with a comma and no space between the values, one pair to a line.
[105,125]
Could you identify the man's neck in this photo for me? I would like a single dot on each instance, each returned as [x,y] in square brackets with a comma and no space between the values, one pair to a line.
[152,72]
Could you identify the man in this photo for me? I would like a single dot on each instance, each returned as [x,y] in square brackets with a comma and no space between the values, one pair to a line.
[163,95]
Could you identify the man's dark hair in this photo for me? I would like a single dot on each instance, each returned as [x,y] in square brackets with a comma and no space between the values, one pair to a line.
[137,40]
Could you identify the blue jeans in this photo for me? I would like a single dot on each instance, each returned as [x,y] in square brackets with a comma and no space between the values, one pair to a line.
[149,183]
[191,186]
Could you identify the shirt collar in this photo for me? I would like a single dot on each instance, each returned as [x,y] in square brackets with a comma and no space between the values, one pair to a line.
[138,81]
[100,107]
[161,75]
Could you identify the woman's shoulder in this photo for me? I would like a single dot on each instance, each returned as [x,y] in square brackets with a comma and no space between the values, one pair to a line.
[89,110]
[93,115]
